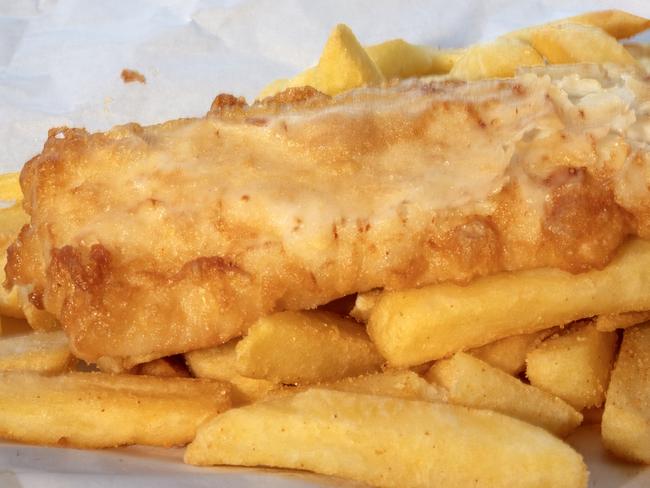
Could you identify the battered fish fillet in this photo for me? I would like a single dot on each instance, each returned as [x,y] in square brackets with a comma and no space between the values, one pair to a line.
[149,241]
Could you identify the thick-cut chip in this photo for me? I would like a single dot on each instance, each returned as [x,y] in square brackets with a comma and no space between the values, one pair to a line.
[43,352]
[388,442]
[10,187]
[616,23]
[391,383]
[496,59]
[577,43]
[509,354]
[166,367]
[220,363]
[626,419]
[94,410]
[306,347]
[574,366]
[613,321]
[399,59]
[344,64]
[474,383]
[414,326]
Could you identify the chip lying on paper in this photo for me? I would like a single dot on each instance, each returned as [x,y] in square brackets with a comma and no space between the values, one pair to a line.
[473,226]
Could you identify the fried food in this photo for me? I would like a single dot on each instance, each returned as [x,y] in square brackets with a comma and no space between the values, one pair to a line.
[388,442]
[306,347]
[220,363]
[577,43]
[301,199]
[574,366]
[626,419]
[613,321]
[411,327]
[497,59]
[392,383]
[474,383]
[42,352]
[95,410]
[509,354]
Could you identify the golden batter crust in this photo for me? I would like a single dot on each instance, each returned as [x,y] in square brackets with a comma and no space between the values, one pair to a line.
[150,241]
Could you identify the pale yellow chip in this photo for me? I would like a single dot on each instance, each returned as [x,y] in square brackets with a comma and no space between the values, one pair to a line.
[392,383]
[497,59]
[220,363]
[613,321]
[626,419]
[509,354]
[616,23]
[10,187]
[574,366]
[577,43]
[411,327]
[95,410]
[306,347]
[474,383]
[344,64]
[42,352]
[388,442]
[399,59]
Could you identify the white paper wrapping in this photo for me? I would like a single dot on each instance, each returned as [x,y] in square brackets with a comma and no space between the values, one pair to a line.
[60,64]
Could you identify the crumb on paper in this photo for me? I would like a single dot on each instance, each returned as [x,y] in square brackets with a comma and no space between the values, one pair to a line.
[131,75]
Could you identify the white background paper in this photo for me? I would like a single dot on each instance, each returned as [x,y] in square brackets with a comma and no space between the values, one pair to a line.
[60,64]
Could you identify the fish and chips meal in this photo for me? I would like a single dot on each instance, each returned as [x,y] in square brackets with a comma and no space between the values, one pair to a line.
[405,266]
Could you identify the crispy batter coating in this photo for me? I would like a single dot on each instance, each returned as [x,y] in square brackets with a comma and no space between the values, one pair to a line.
[150,241]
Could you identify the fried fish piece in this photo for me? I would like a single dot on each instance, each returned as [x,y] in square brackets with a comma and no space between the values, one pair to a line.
[152,241]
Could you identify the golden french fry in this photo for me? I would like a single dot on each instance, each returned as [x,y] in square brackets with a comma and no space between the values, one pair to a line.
[613,321]
[399,59]
[392,383]
[10,187]
[574,366]
[497,59]
[474,383]
[388,442]
[626,419]
[576,43]
[616,23]
[509,354]
[415,326]
[11,221]
[43,352]
[94,410]
[344,64]
[165,367]
[220,363]
[306,347]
